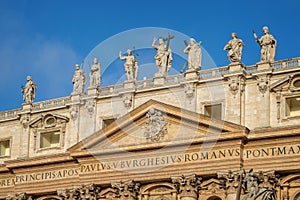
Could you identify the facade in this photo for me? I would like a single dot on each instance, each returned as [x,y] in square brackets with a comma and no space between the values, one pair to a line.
[188,136]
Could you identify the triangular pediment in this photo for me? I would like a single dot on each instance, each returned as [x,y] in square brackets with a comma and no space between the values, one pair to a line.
[47,120]
[288,83]
[156,125]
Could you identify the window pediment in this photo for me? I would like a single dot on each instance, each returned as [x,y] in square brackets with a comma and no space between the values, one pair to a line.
[48,120]
[289,83]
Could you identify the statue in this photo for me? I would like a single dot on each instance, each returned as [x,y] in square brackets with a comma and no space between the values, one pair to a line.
[29,90]
[78,80]
[194,54]
[234,47]
[254,192]
[163,57]
[131,65]
[268,45]
[95,74]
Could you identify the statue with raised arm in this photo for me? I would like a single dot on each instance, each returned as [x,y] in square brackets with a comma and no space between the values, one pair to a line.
[267,44]
[29,90]
[78,80]
[131,65]
[163,57]
[234,47]
[95,74]
[194,52]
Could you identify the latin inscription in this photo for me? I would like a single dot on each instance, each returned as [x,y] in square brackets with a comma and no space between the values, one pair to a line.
[272,151]
[155,161]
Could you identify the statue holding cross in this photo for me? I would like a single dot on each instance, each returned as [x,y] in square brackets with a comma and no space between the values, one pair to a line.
[163,55]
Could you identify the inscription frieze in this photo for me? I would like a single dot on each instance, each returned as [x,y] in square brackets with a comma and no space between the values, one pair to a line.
[153,161]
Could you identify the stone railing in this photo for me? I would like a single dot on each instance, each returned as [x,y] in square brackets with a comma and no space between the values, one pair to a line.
[203,74]
[51,103]
[110,89]
[278,65]
[211,73]
[147,83]
[9,114]
[286,63]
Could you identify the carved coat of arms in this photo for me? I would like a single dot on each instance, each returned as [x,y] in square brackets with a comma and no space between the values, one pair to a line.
[156,125]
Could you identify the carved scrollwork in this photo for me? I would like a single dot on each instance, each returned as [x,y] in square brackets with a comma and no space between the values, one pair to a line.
[24,121]
[126,190]
[263,83]
[90,106]
[127,100]
[188,186]
[74,113]
[19,196]
[189,90]
[231,181]
[253,185]
[156,125]
[236,85]
[88,191]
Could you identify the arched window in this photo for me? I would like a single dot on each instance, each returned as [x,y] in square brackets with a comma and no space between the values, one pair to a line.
[214,198]
[49,198]
[297,197]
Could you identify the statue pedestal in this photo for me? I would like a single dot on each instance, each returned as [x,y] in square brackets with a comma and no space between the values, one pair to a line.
[236,66]
[92,91]
[263,66]
[129,84]
[26,106]
[160,80]
[75,98]
[191,74]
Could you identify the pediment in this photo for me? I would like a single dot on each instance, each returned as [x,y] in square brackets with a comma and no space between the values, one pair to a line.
[156,125]
[47,120]
[108,193]
[210,182]
[288,83]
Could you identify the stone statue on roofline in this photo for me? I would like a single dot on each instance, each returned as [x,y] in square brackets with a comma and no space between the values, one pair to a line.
[194,52]
[267,44]
[95,73]
[131,65]
[29,91]
[234,47]
[163,57]
[79,80]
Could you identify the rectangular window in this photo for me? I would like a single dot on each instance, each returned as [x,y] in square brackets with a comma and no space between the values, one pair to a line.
[292,106]
[214,111]
[50,139]
[5,148]
[107,122]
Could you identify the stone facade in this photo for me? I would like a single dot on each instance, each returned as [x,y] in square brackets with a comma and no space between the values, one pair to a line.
[255,116]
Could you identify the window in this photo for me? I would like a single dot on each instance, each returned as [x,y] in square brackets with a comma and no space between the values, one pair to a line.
[214,111]
[5,148]
[107,122]
[297,197]
[50,139]
[292,106]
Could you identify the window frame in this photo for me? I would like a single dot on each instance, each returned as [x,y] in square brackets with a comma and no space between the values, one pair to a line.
[221,103]
[10,144]
[45,131]
[285,105]
[102,119]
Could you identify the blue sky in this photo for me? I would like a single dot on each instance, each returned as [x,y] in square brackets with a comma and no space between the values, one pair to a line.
[45,39]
